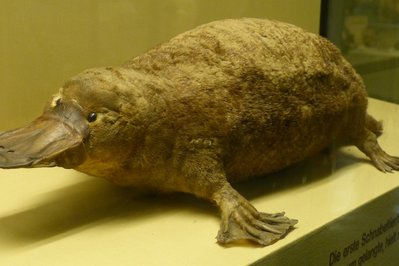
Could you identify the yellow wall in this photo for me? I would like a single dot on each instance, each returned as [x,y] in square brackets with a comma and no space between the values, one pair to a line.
[43,42]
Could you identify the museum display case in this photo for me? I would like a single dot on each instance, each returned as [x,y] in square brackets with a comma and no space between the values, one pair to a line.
[348,211]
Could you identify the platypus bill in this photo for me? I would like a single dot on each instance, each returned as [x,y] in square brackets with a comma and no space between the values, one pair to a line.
[224,102]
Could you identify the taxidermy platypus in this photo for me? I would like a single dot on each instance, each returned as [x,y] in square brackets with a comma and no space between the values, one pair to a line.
[218,104]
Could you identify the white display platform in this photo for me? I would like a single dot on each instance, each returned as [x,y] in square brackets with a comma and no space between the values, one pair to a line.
[61,217]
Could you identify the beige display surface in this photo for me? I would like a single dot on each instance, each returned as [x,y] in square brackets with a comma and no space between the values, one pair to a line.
[61,217]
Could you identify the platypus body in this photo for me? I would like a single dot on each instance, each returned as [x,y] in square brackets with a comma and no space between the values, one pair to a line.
[218,104]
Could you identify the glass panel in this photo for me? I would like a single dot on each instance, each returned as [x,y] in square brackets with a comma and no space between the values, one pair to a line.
[367,31]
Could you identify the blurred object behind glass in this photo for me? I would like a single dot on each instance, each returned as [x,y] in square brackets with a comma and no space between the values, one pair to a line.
[367,31]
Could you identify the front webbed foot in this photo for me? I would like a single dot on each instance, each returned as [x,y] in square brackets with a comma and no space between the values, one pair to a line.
[241,221]
[205,177]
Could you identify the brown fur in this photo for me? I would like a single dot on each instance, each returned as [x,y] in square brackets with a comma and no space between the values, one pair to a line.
[266,94]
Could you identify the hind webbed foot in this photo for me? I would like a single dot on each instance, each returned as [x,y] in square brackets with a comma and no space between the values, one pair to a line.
[383,161]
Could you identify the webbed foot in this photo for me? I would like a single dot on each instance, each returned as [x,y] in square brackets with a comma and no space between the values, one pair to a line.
[383,161]
[241,221]
[205,177]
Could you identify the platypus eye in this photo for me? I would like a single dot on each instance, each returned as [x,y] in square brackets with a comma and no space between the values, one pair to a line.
[57,102]
[92,117]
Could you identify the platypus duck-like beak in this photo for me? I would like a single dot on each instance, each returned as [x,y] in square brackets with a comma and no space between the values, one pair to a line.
[54,139]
